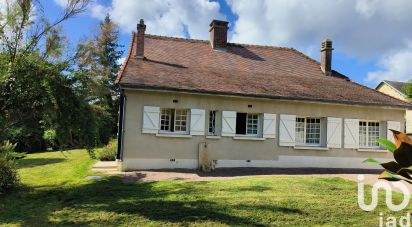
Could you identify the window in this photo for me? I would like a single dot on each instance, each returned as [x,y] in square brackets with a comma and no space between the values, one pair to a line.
[212,123]
[369,132]
[247,124]
[308,131]
[172,120]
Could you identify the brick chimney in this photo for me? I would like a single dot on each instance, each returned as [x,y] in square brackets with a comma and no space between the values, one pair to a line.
[141,28]
[326,56]
[218,34]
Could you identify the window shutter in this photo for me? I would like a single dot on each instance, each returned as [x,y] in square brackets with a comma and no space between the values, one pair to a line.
[395,125]
[228,123]
[151,117]
[269,125]
[334,132]
[197,122]
[351,133]
[287,130]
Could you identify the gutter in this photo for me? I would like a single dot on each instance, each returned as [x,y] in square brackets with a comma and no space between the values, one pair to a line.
[205,92]
[120,133]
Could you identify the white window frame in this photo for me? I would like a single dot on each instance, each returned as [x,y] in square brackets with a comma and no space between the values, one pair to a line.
[212,125]
[305,124]
[255,124]
[259,126]
[368,131]
[170,131]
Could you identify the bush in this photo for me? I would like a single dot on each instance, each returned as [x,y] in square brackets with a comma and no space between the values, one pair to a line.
[107,153]
[8,175]
[50,138]
[8,170]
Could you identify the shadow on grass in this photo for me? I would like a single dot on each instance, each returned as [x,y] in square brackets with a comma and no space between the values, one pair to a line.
[32,162]
[174,203]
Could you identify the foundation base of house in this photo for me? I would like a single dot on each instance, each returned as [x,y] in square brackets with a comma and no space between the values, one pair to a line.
[282,162]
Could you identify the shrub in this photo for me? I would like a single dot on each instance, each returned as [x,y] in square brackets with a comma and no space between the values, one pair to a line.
[8,175]
[107,153]
[8,170]
[50,138]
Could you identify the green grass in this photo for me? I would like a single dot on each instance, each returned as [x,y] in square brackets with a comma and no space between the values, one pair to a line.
[54,192]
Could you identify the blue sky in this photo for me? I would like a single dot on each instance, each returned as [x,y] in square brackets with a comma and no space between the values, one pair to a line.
[372,39]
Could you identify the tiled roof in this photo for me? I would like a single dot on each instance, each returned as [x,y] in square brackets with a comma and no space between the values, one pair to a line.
[397,85]
[242,70]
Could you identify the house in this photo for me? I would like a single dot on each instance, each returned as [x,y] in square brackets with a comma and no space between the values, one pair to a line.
[395,89]
[187,102]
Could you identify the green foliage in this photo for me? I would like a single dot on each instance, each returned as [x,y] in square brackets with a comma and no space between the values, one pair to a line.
[407,90]
[8,170]
[387,144]
[108,152]
[50,138]
[8,175]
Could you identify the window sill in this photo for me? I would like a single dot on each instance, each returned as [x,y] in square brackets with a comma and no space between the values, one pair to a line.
[377,150]
[249,138]
[173,135]
[213,137]
[311,148]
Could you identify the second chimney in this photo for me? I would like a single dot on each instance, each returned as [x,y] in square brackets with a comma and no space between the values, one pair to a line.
[218,34]
[141,28]
[326,57]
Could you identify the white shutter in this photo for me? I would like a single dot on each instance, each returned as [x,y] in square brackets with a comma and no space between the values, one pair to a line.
[395,125]
[334,132]
[408,118]
[197,122]
[351,130]
[228,123]
[151,119]
[287,130]
[269,125]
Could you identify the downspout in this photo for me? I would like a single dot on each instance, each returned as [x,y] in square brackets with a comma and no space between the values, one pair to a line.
[120,134]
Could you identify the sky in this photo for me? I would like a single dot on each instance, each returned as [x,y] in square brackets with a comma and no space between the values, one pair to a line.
[372,39]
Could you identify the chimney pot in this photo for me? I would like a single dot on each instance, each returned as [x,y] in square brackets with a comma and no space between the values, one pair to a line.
[218,34]
[326,56]
[141,29]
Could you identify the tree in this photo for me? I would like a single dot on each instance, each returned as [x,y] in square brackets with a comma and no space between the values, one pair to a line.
[36,89]
[100,58]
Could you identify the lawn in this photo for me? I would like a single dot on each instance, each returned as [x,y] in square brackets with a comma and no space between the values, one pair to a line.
[54,192]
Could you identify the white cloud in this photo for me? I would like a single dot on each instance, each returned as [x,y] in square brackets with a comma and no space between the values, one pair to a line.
[61,3]
[362,29]
[396,66]
[163,17]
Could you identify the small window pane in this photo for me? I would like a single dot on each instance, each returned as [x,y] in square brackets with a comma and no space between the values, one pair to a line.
[212,122]
[300,130]
[181,120]
[369,132]
[165,120]
[252,124]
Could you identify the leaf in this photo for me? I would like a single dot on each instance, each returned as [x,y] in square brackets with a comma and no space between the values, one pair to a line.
[385,175]
[371,160]
[394,167]
[403,155]
[400,138]
[387,144]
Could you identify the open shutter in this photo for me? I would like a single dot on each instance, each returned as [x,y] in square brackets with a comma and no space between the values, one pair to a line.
[197,122]
[351,133]
[269,125]
[287,130]
[334,132]
[395,125]
[228,123]
[151,119]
